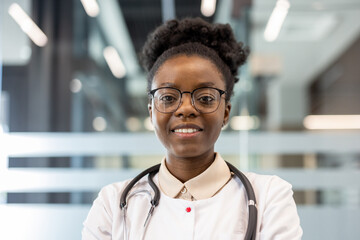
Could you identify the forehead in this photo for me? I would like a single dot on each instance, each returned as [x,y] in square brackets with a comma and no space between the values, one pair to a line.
[185,71]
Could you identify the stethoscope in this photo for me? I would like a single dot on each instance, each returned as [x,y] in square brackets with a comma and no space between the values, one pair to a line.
[250,231]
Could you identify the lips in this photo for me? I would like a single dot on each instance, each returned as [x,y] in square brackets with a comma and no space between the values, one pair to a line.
[187,128]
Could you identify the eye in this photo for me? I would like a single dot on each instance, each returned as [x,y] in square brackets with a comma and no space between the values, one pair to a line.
[167,99]
[206,99]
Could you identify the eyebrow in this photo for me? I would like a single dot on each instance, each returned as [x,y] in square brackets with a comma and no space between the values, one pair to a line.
[202,84]
[167,84]
[206,84]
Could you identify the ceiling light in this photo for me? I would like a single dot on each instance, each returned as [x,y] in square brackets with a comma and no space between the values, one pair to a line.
[114,62]
[276,20]
[133,124]
[27,25]
[208,7]
[99,124]
[91,7]
[332,122]
[75,85]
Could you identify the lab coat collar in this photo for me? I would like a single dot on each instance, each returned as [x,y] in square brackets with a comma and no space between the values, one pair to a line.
[203,186]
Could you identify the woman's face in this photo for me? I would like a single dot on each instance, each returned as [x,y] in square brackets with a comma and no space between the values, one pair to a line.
[187,73]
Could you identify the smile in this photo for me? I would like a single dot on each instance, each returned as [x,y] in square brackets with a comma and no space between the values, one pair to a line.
[186,130]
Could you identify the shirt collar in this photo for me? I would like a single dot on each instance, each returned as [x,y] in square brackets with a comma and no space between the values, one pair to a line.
[203,186]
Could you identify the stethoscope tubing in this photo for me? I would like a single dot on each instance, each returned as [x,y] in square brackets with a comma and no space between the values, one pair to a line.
[252,222]
[252,218]
[155,169]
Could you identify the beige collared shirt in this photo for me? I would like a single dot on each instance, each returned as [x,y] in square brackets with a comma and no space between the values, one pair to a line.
[203,186]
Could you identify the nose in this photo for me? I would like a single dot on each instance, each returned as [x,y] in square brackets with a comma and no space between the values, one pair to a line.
[186,107]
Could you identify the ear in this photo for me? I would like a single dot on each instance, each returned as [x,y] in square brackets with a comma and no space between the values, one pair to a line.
[227,113]
[150,111]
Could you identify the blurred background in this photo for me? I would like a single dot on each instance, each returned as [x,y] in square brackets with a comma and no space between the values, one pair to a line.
[73,112]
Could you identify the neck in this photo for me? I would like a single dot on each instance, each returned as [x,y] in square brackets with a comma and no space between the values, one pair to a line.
[186,168]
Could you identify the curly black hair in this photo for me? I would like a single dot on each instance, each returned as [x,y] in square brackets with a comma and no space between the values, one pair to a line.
[194,36]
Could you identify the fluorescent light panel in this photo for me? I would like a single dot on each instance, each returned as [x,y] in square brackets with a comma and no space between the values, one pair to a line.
[332,122]
[27,25]
[276,20]
[208,7]
[114,62]
[91,7]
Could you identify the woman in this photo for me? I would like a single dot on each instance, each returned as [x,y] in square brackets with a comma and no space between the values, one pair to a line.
[192,67]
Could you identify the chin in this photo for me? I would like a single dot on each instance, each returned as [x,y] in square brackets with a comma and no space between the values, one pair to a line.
[187,152]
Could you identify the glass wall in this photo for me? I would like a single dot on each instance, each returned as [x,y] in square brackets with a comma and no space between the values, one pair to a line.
[73,112]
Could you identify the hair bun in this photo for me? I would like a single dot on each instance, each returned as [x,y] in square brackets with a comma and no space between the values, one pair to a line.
[218,37]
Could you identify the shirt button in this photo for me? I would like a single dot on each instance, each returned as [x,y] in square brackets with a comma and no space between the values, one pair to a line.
[184,190]
[188,209]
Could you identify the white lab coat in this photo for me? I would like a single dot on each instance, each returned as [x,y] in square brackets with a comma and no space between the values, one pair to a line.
[223,216]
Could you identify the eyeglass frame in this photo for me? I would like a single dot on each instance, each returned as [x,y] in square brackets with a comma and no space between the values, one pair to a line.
[152,92]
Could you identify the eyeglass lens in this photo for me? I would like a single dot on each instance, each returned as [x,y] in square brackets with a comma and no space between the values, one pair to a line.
[205,100]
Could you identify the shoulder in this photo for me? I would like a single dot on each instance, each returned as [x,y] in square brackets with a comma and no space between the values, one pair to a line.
[113,191]
[108,200]
[267,182]
[270,190]
[277,213]
[105,211]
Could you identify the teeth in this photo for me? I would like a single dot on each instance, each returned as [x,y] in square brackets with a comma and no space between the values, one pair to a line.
[186,130]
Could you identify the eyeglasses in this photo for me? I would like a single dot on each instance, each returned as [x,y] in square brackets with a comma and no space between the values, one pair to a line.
[204,99]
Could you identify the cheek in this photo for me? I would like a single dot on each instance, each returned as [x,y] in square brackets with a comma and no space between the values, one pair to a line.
[216,123]
[221,114]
